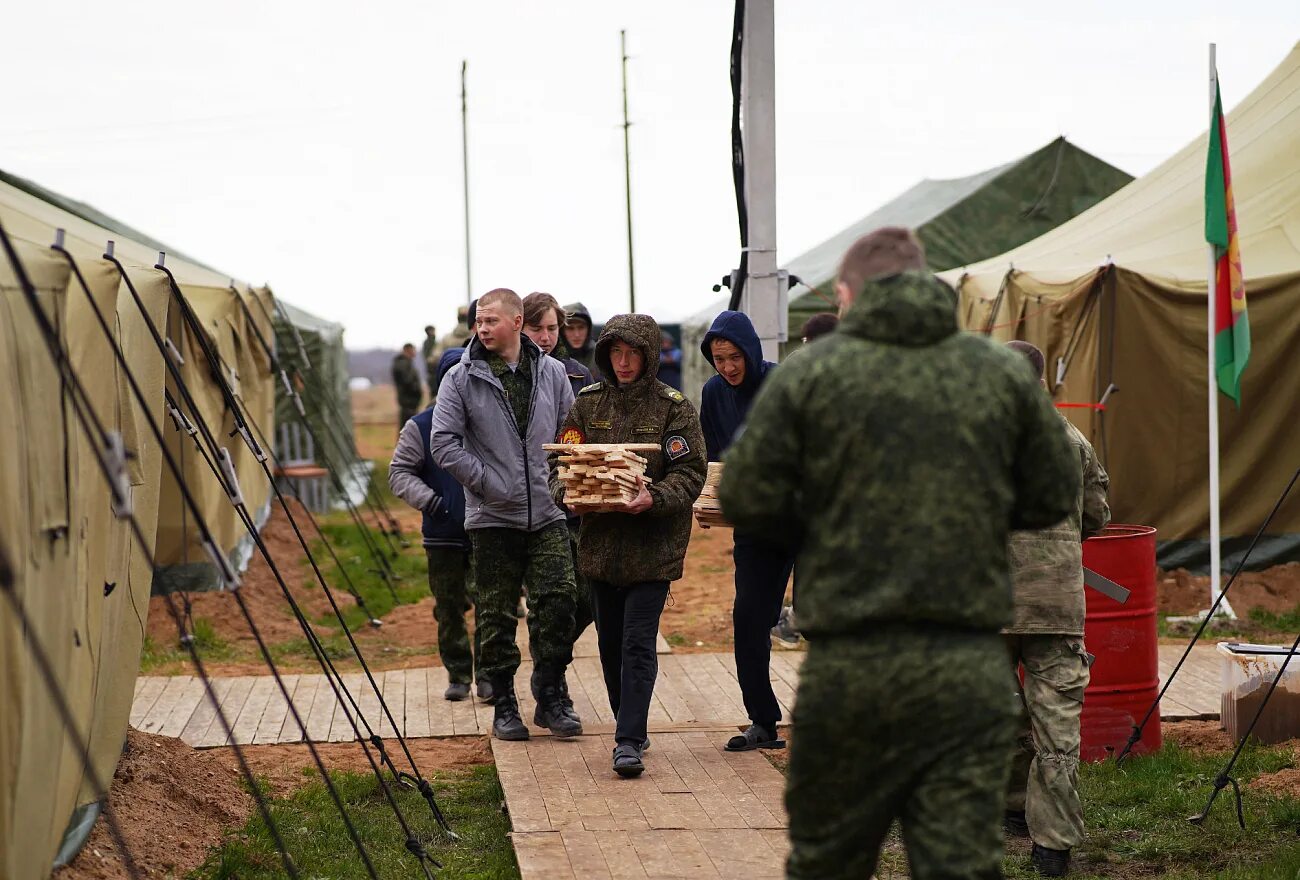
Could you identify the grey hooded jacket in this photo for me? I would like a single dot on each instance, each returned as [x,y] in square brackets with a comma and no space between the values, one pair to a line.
[475,439]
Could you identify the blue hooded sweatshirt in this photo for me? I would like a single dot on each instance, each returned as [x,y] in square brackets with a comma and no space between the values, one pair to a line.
[723,407]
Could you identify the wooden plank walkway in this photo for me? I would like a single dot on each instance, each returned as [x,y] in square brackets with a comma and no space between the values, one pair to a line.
[697,811]
[694,692]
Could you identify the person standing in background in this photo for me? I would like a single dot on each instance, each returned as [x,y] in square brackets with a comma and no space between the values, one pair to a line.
[419,482]
[406,381]
[577,337]
[429,352]
[762,568]
[670,362]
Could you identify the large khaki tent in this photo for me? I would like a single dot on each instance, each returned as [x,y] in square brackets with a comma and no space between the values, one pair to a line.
[959,221]
[1117,297]
[82,578]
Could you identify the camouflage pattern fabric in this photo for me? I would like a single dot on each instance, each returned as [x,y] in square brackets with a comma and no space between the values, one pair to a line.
[896,456]
[452,599]
[518,384]
[583,609]
[620,548]
[908,724]
[1045,768]
[503,561]
[1047,564]
[406,380]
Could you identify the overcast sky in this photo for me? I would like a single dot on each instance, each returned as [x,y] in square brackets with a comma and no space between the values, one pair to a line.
[316,145]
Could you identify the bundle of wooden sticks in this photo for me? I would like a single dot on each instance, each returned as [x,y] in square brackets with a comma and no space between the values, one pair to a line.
[600,477]
[708,510]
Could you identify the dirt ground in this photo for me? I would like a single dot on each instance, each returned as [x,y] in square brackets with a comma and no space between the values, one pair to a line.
[173,804]
[1276,590]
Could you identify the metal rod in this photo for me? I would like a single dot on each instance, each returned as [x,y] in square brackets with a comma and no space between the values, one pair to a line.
[627,179]
[464,153]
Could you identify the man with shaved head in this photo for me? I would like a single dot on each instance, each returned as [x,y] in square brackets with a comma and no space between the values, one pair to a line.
[895,462]
[495,410]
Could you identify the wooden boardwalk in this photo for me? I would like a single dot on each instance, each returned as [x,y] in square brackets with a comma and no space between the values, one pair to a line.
[1196,691]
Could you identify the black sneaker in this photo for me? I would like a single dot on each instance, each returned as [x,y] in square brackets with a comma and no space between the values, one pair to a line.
[1015,824]
[755,737]
[627,760]
[485,692]
[551,715]
[456,691]
[506,723]
[1050,862]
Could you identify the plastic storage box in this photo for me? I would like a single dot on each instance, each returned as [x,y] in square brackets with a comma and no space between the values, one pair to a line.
[1247,672]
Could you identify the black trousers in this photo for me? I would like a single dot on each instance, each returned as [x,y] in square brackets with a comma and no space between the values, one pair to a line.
[627,621]
[762,571]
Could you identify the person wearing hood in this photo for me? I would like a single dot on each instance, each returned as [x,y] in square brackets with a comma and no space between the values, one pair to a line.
[577,337]
[897,461]
[631,556]
[762,568]
[413,477]
[495,411]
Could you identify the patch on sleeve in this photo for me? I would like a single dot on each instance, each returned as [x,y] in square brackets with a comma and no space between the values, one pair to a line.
[672,394]
[675,447]
[571,435]
[591,389]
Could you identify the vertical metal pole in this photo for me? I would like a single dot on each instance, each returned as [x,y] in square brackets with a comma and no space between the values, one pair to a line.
[1216,574]
[764,296]
[627,179]
[464,148]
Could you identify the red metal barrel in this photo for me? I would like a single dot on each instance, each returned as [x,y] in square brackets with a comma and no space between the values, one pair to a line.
[1126,673]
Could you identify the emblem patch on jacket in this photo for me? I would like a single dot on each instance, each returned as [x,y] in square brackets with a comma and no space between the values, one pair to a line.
[675,447]
[571,435]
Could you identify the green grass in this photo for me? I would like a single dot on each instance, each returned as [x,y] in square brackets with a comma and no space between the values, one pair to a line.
[410,566]
[154,656]
[1137,822]
[1258,624]
[320,846]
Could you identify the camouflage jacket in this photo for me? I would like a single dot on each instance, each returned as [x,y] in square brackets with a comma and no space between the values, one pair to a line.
[407,382]
[897,460]
[1047,564]
[622,548]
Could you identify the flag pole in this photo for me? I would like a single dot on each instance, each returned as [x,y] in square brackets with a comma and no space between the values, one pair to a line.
[1212,390]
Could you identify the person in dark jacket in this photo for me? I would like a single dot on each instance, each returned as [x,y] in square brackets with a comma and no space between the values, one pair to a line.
[762,568]
[413,477]
[631,556]
[543,324]
[406,380]
[577,337]
[670,362]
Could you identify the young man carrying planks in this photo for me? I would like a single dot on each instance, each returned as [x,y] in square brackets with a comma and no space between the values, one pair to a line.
[634,550]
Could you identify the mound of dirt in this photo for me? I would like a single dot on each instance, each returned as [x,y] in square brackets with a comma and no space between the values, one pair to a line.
[1283,783]
[1202,737]
[173,804]
[1276,590]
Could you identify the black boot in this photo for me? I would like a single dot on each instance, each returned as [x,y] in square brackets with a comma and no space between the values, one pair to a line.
[1050,862]
[506,723]
[566,700]
[550,706]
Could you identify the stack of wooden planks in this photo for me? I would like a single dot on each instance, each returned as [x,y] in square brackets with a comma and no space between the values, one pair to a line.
[708,510]
[600,477]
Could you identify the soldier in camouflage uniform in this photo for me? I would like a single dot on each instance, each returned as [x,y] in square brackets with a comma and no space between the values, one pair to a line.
[630,557]
[495,410]
[896,460]
[406,381]
[1046,638]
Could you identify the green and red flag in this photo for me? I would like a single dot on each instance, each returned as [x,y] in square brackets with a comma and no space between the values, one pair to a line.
[1231,325]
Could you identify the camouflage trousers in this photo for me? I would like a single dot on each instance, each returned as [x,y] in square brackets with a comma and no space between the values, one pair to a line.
[453,596]
[908,724]
[1045,770]
[502,562]
[583,609]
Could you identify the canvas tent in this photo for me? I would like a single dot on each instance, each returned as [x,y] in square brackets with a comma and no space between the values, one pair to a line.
[1117,297]
[78,572]
[959,221]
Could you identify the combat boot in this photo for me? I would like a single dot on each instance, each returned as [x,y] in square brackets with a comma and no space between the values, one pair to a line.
[566,700]
[1050,862]
[550,707]
[506,723]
